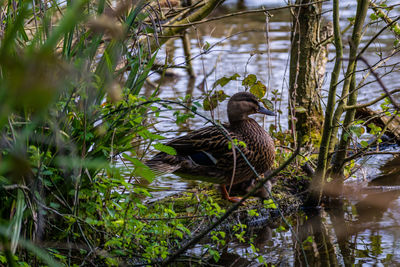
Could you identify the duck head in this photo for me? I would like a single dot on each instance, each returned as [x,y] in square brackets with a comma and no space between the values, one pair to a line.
[243,104]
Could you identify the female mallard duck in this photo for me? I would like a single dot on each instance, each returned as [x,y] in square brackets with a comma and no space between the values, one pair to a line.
[207,153]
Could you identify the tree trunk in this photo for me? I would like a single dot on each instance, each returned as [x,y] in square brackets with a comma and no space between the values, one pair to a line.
[319,177]
[304,105]
[349,87]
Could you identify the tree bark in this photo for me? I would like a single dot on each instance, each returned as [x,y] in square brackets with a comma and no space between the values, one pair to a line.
[304,104]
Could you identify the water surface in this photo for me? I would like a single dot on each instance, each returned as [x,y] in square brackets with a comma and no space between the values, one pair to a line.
[360,228]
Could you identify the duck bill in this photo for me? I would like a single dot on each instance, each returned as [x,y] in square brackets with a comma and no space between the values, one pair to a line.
[265,111]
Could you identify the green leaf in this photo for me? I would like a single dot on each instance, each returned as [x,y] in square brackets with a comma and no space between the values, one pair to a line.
[267,103]
[40,253]
[164,148]
[54,205]
[308,240]
[141,169]
[143,76]
[253,213]
[250,80]
[221,96]
[300,110]
[71,18]
[357,130]
[16,223]
[206,46]
[364,143]
[396,29]
[260,259]
[280,229]
[373,16]
[224,80]
[214,254]
[269,204]
[258,89]
[210,103]
[242,144]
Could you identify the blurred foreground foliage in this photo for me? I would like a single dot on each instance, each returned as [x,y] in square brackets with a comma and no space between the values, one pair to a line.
[70,118]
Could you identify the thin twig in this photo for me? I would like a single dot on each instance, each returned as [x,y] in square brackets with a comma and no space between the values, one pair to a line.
[243,13]
[371,102]
[361,152]
[378,79]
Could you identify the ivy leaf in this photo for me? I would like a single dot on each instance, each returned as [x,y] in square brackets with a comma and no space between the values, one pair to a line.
[164,148]
[250,80]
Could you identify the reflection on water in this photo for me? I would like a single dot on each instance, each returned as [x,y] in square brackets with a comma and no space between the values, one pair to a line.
[344,233]
[361,229]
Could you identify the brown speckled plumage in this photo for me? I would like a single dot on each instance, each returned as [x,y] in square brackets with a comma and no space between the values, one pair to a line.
[259,150]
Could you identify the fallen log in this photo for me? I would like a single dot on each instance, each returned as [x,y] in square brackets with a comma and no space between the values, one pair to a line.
[381,120]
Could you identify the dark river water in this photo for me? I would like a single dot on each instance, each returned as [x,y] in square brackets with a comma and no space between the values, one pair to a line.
[365,232]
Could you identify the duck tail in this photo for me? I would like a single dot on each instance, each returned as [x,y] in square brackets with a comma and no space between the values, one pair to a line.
[163,163]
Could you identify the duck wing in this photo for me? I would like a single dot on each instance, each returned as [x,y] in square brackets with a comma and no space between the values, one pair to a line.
[196,152]
[206,153]
[210,140]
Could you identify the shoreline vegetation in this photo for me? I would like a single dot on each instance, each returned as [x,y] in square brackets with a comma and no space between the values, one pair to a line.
[76,128]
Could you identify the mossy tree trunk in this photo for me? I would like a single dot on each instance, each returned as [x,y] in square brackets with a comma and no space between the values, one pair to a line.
[304,105]
[332,120]
[349,90]
[319,177]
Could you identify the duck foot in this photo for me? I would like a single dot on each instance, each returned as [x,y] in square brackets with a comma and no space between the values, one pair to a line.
[225,195]
[234,199]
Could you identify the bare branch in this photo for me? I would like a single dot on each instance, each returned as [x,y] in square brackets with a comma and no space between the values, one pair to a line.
[380,82]
[382,153]
[243,13]
[371,102]
[377,34]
